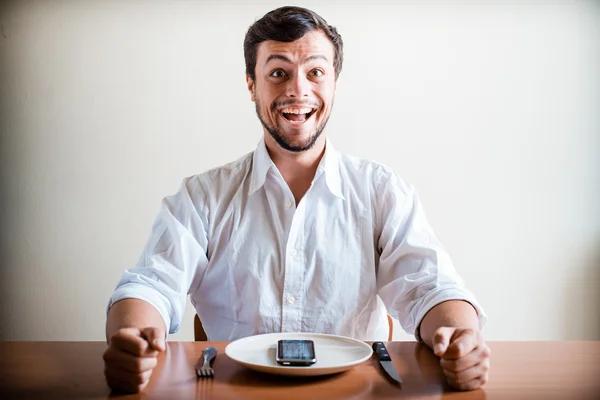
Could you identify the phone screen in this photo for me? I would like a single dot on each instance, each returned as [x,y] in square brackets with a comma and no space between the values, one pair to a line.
[296,352]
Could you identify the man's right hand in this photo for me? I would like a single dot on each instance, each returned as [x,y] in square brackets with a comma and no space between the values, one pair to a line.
[131,357]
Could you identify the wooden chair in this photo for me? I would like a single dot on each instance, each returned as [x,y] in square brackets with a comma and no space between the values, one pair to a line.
[200,334]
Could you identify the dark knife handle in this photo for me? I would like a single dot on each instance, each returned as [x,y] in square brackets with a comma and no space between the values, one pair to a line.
[381,351]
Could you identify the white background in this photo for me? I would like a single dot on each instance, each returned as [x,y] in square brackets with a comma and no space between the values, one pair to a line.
[492,109]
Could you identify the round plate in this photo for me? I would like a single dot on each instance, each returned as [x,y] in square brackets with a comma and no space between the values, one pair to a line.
[334,353]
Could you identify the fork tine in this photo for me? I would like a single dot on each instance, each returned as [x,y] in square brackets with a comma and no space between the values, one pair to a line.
[206,371]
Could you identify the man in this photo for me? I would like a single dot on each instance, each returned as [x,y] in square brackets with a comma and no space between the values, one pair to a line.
[294,236]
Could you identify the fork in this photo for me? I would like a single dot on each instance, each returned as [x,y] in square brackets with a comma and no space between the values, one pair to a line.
[206,371]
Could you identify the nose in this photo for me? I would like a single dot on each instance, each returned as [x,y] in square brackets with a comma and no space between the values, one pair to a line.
[298,86]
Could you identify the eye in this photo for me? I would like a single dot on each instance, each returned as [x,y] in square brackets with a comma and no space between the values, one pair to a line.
[278,73]
[317,73]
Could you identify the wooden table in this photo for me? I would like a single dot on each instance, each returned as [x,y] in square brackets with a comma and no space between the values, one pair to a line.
[520,370]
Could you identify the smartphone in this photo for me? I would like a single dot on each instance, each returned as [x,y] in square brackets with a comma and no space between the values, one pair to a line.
[296,353]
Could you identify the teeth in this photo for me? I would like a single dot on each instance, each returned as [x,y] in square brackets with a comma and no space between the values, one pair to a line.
[296,110]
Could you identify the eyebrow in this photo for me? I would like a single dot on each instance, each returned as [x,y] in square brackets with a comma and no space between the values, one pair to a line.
[285,59]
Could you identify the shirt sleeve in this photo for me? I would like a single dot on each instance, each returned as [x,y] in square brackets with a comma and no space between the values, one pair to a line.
[173,256]
[415,273]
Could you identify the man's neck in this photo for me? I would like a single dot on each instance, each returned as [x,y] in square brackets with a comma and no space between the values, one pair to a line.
[298,169]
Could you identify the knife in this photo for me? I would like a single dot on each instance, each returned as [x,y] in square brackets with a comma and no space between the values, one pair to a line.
[386,362]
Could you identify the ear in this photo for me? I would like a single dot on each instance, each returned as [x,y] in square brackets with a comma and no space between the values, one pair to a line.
[250,84]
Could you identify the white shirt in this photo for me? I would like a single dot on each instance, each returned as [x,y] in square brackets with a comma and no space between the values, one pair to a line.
[357,245]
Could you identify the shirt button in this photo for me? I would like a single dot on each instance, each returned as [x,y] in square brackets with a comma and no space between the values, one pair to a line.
[291,299]
[293,252]
[288,204]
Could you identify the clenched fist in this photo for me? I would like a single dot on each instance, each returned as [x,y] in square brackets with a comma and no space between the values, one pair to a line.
[131,356]
[464,357]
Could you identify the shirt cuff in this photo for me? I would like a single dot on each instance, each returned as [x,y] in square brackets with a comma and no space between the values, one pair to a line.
[149,295]
[446,295]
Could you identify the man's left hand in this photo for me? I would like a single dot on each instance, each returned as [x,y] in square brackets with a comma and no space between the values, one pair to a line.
[464,357]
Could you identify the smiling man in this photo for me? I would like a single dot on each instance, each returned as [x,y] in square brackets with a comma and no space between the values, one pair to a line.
[295,236]
[293,85]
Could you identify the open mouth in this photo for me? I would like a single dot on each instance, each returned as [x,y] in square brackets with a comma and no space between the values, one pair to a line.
[297,115]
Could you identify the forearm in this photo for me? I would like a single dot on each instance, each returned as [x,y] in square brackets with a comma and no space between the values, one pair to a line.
[133,313]
[453,313]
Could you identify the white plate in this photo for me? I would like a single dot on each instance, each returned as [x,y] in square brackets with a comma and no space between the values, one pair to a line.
[334,353]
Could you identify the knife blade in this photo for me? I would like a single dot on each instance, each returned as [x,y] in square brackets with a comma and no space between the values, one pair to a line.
[386,362]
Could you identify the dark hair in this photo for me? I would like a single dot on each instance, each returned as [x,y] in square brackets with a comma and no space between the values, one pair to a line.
[287,24]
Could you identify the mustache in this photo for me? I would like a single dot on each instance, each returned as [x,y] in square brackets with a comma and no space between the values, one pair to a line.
[295,103]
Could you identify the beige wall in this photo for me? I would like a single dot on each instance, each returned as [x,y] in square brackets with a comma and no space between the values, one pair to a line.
[492,111]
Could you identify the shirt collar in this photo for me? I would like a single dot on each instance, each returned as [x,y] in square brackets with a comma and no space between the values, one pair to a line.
[329,165]
[261,164]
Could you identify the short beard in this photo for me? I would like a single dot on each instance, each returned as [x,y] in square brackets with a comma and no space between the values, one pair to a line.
[283,142]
